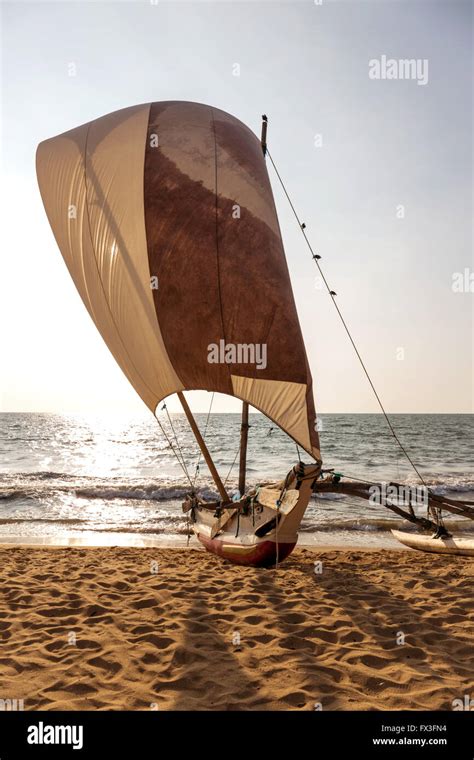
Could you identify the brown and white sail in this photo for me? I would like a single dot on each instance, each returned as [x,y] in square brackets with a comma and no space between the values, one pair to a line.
[165,217]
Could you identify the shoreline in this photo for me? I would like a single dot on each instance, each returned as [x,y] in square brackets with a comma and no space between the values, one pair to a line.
[131,540]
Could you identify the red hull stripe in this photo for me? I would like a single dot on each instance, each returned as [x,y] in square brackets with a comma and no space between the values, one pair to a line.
[263,554]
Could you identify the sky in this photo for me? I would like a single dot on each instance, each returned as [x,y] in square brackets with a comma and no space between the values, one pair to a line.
[380,170]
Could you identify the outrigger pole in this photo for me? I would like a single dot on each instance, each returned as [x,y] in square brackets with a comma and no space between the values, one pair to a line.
[205,452]
[364,491]
[244,430]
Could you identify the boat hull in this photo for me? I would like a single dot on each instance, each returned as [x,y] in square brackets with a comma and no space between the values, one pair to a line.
[262,554]
[261,530]
[463,546]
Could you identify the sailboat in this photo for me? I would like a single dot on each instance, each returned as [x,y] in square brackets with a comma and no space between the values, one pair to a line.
[165,218]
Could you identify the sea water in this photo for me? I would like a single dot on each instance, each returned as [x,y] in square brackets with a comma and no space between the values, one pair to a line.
[117,480]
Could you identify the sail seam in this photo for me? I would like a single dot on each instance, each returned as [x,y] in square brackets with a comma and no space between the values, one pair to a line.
[217,231]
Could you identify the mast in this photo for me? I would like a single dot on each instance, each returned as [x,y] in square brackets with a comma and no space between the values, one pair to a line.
[205,452]
[263,138]
[244,430]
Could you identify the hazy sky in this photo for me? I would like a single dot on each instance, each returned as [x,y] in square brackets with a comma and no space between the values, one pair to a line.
[385,144]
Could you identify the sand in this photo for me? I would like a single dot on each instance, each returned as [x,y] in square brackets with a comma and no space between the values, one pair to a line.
[133,628]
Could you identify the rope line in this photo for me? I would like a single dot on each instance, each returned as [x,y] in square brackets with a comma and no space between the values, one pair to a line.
[176,439]
[332,294]
[204,438]
[232,466]
[170,444]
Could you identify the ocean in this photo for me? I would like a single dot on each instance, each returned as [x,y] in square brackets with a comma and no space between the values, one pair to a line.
[115,480]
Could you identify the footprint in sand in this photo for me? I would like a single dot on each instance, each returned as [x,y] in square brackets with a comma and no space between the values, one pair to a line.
[110,666]
[295,698]
[296,643]
[144,603]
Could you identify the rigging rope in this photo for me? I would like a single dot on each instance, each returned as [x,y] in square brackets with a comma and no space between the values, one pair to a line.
[174,432]
[332,294]
[232,467]
[204,438]
[170,444]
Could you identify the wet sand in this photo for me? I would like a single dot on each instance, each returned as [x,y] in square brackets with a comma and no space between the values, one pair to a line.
[157,628]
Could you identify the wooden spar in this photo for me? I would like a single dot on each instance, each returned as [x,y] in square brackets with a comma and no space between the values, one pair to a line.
[203,447]
[362,490]
[244,430]
[263,138]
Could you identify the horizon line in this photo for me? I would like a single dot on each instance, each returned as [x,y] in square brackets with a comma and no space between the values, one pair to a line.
[255,412]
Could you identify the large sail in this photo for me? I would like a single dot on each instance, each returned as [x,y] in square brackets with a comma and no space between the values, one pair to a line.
[165,217]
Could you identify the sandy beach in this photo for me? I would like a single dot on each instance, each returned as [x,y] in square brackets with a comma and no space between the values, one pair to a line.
[118,628]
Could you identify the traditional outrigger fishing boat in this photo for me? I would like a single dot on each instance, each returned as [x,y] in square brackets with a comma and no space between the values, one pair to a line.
[165,217]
